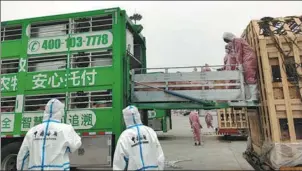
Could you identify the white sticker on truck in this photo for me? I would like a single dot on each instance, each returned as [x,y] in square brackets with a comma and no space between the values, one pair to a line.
[30,120]
[82,41]
[7,122]
[79,119]
[151,114]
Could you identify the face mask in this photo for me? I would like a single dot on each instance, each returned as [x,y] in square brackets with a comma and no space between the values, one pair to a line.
[226,40]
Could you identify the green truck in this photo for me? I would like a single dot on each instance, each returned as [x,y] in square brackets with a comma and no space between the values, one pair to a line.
[95,63]
[160,119]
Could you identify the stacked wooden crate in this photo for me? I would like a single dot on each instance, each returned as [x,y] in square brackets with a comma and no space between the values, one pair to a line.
[278,45]
[232,118]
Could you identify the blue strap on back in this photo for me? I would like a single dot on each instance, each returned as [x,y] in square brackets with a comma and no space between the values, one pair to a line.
[24,158]
[44,138]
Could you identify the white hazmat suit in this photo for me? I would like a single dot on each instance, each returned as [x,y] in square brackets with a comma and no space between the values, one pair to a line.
[138,147]
[46,146]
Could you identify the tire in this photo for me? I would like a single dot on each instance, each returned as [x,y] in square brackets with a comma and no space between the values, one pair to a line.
[11,150]
[73,168]
[8,153]
[226,137]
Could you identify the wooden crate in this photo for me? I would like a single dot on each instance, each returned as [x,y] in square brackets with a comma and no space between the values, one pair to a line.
[231,118]
[281,105]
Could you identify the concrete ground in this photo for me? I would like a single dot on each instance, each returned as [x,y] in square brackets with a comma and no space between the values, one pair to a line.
[215,154]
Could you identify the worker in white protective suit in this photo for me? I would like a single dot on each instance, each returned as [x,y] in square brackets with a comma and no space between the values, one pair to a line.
[138,147]
[47,145]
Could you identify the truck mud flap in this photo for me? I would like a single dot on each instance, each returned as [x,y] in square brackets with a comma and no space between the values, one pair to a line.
[95,152]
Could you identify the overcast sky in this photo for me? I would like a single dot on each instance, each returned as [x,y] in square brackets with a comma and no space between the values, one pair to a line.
[178,33]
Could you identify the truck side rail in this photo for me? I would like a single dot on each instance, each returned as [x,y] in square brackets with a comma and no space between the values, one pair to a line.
[201,84]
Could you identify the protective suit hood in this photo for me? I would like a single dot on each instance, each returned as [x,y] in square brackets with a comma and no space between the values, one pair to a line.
[228,36]
[54,110]
[131,116]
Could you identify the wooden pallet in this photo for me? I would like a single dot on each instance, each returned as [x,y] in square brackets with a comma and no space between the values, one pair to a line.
[231,118]
[281,102]
[291,168]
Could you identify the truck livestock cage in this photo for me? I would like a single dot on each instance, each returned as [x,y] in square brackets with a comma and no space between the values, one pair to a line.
[78,58]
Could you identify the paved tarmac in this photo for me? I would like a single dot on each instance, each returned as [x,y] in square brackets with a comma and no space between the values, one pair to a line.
[215,154]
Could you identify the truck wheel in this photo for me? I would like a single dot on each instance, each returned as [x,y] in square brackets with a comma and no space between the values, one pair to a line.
[9,156]
[73,168]
[226,137]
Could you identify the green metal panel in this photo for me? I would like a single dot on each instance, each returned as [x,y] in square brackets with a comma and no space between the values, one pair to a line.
[120,47]
[14,44]
[171,105]
[161,115]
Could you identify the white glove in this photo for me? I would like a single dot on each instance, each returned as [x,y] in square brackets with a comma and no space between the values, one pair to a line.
[240,68]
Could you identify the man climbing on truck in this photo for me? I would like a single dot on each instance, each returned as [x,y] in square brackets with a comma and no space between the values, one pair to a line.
[229,61]
[206,68]
[246,60]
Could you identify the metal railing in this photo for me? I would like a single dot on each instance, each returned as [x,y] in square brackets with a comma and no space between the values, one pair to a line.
[50,28]
[9,66]
[91,59]
[37,103]
[8,104]
[194,82]
[169,77]
[90,24]
[90,99]
[71,26]
[11,32]
[47,62]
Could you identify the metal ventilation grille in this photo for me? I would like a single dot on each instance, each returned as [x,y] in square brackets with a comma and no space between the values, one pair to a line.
[51,28]
[90,24]
[8,104]
[90,99]
[47,63]
[91,59]
[38,102]
[11,32]
[9,66]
